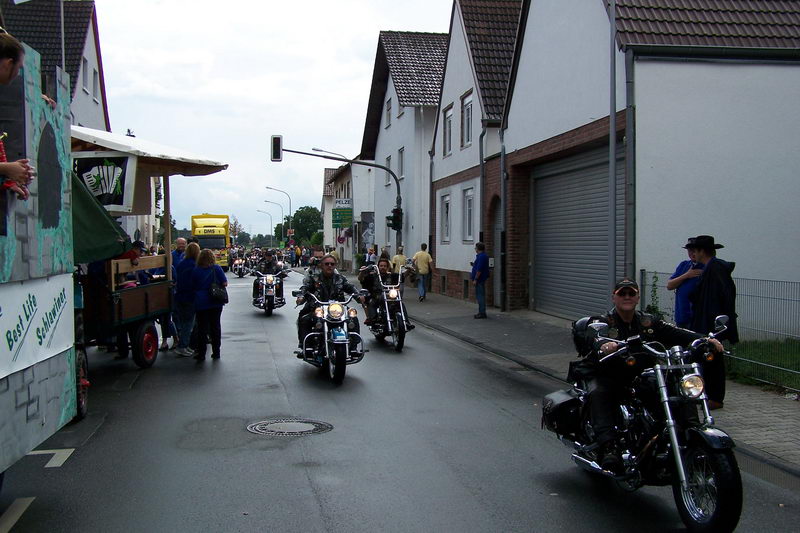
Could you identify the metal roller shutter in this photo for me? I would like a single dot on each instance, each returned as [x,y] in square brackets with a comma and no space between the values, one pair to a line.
[570,214]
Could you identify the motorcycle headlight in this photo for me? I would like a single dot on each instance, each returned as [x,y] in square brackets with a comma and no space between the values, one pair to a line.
[270,279]
[393,294]
[318,312]
[352,312]
[692,386]
[335,311]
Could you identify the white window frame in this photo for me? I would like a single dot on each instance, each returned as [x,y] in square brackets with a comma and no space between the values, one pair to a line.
[468,208]
[388,165]
[401,163]
[96,86]
[85,67]
[388,112]
[447,131]
[466,120]
[445,219]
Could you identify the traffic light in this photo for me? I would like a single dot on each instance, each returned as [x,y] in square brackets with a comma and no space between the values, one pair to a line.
[276,148]
[390,221]
[397,219]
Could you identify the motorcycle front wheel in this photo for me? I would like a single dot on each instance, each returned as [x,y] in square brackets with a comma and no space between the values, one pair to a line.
[399,333]
[712,502]
[337,363]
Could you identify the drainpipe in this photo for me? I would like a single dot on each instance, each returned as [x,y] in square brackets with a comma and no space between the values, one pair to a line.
[612,147]
[503,212]
[630,167]
[483,184]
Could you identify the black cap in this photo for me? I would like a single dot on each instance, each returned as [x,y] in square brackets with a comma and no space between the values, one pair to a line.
[690,243]
[138,244]
[626,283]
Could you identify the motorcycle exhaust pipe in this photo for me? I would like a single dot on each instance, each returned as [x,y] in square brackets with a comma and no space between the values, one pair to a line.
[586,464]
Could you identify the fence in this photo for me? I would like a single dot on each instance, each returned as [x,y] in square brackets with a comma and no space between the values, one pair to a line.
[768,316]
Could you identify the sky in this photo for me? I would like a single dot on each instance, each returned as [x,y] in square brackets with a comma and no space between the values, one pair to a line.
[219,78]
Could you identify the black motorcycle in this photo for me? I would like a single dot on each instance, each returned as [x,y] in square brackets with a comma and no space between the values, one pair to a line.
[334,341]
[391,319]
[270,294]
[239,268]
[664,431]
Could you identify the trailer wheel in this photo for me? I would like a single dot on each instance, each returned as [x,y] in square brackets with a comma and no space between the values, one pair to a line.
[145,344]
[82,383]
[123,346]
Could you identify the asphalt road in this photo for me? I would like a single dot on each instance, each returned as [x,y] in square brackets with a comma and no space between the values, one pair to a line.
[440,437]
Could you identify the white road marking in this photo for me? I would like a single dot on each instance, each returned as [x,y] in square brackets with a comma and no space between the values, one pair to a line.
[59,456]
[13,513]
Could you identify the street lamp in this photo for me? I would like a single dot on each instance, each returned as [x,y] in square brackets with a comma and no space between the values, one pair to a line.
[283,229]
[327,152]
[290,202]
[271,226]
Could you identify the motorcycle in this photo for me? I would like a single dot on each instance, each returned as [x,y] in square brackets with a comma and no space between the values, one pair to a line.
[659,432]
[334,341]
[239,268]
[391,319]
[270,294]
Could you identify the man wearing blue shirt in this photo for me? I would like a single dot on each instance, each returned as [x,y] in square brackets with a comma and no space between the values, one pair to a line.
[177,253]
[479,275]
[683,281]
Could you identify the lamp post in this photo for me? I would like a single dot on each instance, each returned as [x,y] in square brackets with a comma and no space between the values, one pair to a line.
[283,218]
[272,228]
[290,202]
[327,152]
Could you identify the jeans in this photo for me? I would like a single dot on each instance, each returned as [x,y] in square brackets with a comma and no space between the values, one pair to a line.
[422,284]
[208,324]
[480,295]
[184,316]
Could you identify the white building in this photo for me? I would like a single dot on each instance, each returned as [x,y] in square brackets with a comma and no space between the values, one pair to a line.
[401,113]
[354,186]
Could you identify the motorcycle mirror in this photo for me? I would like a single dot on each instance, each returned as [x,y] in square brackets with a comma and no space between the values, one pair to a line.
[721,321]
[600,328]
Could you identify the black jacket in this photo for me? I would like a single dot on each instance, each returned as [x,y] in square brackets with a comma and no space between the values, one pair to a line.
[714,295]
[333,288]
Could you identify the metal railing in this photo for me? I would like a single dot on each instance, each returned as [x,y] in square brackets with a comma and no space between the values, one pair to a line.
[768,317]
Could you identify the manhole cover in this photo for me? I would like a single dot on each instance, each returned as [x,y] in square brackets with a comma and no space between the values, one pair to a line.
[288,427]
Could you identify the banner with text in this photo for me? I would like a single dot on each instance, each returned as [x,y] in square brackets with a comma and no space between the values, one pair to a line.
[36,321]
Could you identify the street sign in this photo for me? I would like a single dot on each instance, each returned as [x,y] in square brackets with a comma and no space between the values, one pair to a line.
[290,232]
[342,218]
[343,203]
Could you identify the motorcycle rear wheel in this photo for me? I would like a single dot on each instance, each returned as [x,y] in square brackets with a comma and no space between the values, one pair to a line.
[713,500]
[337,363]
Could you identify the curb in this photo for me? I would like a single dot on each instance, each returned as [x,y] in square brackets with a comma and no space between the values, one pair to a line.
[753,453]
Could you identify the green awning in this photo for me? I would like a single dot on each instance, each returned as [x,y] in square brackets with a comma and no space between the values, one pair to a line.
[96,235]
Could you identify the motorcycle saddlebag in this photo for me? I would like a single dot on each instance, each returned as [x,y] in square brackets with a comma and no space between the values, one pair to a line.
[561,412]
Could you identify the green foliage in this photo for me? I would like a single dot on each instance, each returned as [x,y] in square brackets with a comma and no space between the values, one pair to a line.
[764,361]
[652,305]
[243,238]
[317,238]
[306,222]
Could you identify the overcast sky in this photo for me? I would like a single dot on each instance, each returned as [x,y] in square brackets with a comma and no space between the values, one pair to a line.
[218,78]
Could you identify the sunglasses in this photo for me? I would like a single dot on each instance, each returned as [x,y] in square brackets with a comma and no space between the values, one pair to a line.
[627,294]
[328,264]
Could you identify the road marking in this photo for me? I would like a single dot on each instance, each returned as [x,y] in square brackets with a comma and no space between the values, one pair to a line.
[13,513]
[59,456]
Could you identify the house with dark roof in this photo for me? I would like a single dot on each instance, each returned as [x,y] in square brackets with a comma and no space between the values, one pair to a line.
[398,130]
[38,24]
[466,144]
[350,186]
[706,136]
[326,209]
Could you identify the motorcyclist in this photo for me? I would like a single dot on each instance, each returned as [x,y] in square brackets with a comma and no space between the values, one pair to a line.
[326,284]
[373,282]
[267,265]
[606,381]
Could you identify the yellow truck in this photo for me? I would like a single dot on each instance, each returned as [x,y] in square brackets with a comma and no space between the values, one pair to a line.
[213,232]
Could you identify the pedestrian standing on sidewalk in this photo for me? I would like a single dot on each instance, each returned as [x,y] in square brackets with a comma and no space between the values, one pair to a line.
[184,299]
[479,275]
[398,262]
[423,262]
[683,281]
[714,295]
[207,312]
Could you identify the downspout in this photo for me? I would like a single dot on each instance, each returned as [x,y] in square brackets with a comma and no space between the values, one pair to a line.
[503,209]
[612,148]
[481,218]
[630,167]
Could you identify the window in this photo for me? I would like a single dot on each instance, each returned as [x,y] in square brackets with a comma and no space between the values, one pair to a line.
[466,120]
[469,204]
[401,163]
[388,165]
[447,131]
[85,69]
[96,85]
[388,112]
[445,221]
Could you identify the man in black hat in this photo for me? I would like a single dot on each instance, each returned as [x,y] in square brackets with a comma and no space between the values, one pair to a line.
[683,281]
[714,295]
[607,380]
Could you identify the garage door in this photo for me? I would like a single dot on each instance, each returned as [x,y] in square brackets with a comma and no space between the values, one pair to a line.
[570,216]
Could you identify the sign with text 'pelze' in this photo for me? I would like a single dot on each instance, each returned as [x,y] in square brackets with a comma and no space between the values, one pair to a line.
[36,321]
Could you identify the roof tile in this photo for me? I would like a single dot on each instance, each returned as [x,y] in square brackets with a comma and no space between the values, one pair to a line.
[416,63]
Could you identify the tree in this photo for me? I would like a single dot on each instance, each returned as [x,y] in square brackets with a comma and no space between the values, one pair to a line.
[306,221]
[235,228]
[317,238]
[243,238]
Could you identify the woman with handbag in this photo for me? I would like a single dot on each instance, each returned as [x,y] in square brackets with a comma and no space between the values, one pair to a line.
[208,283]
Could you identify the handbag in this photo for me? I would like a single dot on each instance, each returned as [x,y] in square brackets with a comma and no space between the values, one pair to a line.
[217,293]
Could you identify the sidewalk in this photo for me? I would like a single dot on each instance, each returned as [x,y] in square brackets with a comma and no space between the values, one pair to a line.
[764,424]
